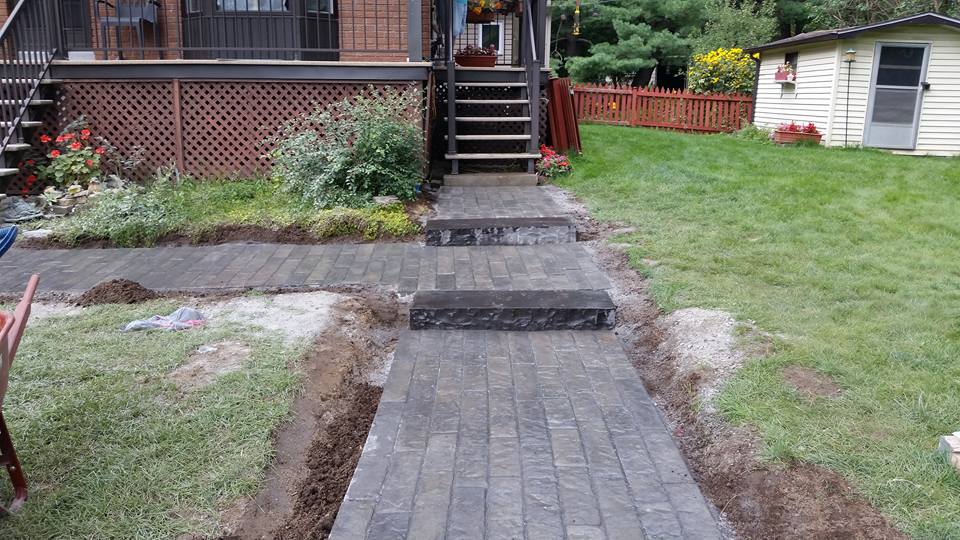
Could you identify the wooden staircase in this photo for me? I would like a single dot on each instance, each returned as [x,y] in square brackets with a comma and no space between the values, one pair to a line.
[31,37]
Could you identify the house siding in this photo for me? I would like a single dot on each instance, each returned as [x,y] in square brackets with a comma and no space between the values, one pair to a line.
[809,99]
[939,131]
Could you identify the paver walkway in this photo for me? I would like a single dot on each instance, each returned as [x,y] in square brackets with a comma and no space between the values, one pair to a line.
[409,267]
[512,435]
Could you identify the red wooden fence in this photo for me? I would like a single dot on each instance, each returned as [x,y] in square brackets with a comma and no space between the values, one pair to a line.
[673,109]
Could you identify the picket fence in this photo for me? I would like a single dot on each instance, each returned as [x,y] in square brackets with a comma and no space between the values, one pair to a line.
[654,107]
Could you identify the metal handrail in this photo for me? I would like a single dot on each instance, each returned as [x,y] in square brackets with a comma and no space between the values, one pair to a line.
[29,40]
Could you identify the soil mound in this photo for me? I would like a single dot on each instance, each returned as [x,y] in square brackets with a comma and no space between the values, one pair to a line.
[116,291]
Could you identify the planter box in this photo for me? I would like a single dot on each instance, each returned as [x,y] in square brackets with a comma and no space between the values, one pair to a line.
[476,61]
[783,76]
[793,137]
[480,18]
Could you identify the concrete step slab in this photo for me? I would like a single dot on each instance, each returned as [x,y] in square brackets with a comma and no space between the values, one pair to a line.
[512,310]
[524,231]
[490,179]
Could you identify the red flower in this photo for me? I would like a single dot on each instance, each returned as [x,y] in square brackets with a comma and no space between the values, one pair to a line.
[30,162]
[100,150]
[31,179]
[67,136]
[54,154]
[89,163]
[76,146]
[45,139]
[84,134]
[60,139]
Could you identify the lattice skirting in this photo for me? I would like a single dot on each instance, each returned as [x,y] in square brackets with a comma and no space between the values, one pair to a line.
[207,128]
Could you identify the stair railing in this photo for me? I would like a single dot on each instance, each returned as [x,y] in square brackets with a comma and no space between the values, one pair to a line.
[451,91]
[531,40]
[29,40]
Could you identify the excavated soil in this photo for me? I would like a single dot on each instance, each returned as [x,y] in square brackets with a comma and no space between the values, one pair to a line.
[116,291]
[758,500]
[811,384]
[317,451]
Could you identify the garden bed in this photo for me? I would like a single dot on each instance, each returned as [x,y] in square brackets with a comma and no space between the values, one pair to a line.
[198,213]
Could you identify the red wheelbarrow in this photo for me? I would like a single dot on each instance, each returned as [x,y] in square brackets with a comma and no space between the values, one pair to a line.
[12,326]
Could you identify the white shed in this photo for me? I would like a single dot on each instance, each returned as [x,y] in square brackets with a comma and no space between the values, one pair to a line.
[894,84]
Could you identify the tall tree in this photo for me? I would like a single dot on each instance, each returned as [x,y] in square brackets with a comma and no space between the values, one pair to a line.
[619,39]
[737,24]
[841,13]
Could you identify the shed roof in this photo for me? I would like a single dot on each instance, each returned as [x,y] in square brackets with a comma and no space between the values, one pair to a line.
[842,33]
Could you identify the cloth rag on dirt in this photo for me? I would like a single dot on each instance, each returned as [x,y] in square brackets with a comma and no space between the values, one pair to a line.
[182,319]
[7,236]
[17,210]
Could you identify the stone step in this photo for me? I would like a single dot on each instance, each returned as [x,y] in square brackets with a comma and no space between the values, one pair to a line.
[490,179]
[520,231]
[495,137]
[512,310]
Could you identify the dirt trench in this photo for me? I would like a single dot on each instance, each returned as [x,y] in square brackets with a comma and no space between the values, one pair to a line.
[318,449]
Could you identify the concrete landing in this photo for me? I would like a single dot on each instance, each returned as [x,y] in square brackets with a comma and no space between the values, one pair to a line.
[513,435]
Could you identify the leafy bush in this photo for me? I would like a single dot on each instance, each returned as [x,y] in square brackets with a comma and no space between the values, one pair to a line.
[351,151]
[751,132]
[721,71]
[126,217]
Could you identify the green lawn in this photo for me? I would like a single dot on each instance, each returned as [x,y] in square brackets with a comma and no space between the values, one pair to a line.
[113,449]
[851,257]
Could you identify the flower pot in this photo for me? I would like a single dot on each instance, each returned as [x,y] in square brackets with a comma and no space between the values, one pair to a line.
[784,76]
[473,60]
[793,137]
[482,17]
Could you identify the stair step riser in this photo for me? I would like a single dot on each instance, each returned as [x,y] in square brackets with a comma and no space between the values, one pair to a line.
[512,310]
[490,180]
[500,232]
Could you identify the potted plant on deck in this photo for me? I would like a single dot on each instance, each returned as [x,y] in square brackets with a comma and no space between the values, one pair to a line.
[792,133]
[471,56]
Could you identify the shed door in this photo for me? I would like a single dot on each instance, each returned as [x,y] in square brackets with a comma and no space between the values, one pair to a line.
[895,95]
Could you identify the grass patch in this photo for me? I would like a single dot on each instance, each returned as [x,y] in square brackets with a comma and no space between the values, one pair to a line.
[112,449]
[195,208]
[852,256]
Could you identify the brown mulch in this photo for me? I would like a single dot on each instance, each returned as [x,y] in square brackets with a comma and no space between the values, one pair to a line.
[116,291]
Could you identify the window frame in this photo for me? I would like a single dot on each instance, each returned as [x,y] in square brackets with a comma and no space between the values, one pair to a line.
[502,29]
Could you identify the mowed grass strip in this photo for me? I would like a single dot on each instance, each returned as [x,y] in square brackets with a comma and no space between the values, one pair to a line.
[851,258]
[113,449]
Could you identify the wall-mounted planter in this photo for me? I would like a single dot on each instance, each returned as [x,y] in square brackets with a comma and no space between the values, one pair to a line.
[785,77]
[482,17]
[793,137]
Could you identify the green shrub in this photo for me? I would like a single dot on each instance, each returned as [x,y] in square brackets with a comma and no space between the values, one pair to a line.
[371,223]
[751,132]
[351,151]
[126,217]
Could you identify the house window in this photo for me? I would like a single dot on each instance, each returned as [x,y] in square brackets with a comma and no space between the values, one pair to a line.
[319,6]
[491,34]
[252,5]
[194,6]
[791,58]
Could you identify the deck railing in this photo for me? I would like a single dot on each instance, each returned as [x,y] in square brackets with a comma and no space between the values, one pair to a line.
[672,109]
[244,29]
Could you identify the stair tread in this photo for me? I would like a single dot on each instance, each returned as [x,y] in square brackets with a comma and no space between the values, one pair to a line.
[505,155]
[25,123]
[8,171]
[492,101]
[491,118]
[492,84]
[505,137]
[502,299]
[33,102]
[16,147]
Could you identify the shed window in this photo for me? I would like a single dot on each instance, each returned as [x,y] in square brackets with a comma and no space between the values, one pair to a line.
[791,58]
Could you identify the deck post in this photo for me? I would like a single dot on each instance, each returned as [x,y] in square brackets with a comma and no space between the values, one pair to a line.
[414,31]
[451,91]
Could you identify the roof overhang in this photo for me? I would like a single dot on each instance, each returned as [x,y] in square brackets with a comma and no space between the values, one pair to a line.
[844,33]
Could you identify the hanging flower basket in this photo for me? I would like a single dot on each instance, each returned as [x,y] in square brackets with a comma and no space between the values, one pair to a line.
[481,18]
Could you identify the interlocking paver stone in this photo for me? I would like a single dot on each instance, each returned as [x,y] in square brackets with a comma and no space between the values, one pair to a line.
[501,202]
[502,458]
[407,267]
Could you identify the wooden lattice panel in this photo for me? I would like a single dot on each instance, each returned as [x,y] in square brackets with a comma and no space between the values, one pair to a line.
[207,128]
[129,114]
